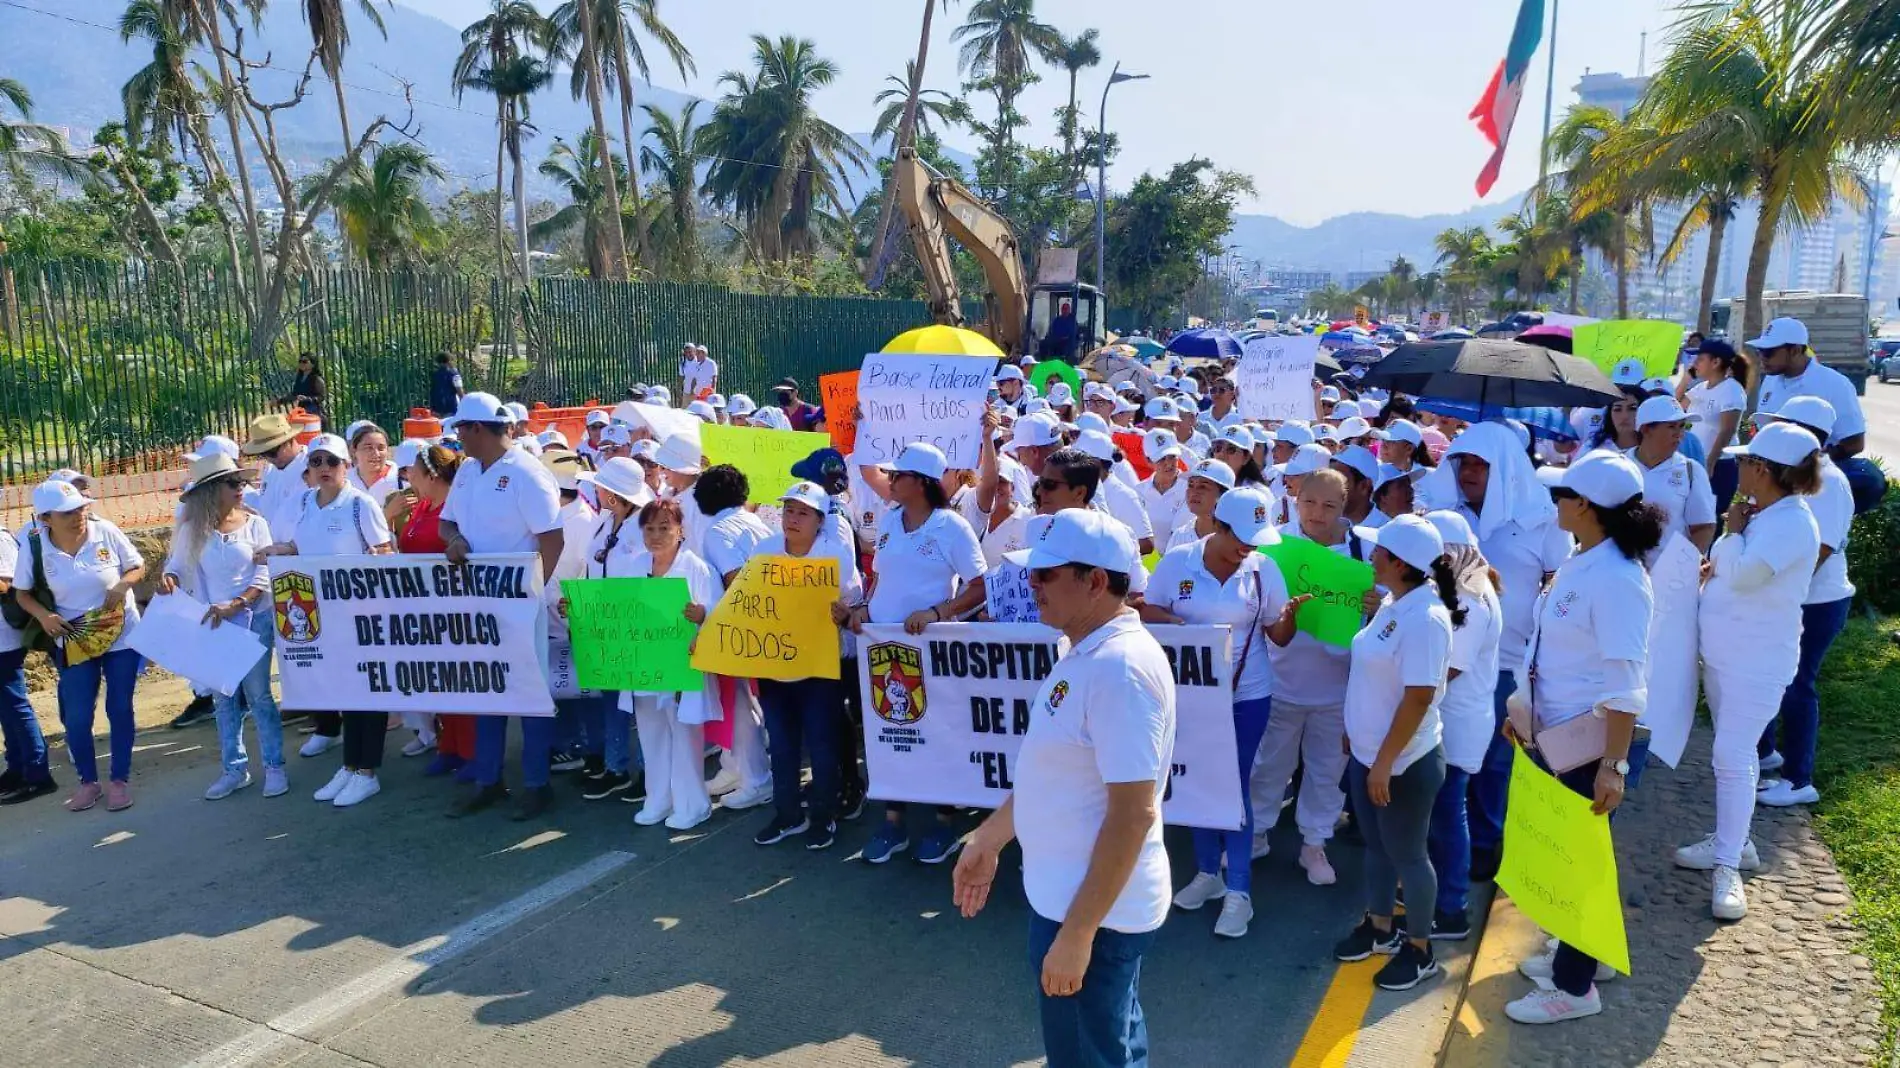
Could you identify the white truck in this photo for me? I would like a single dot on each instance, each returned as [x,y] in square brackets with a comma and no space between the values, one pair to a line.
[1837,326]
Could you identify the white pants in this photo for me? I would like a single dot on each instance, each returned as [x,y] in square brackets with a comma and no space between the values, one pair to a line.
[1741,708]
[675,756]
[748,758]
[1313,733]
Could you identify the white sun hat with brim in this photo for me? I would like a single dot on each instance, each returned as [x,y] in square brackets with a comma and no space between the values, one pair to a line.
[1408,537]
[1248,512]
[1084,536]
[210,468]
[679,453]
[54,495]
[623,478]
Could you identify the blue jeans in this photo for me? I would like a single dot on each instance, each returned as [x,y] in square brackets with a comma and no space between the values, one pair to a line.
[19,725]
[1101,1026]
[1493,780]
[1250,722]
[1800,716]
[1449,842]
[491,746]
[78,700]
[254,690]
[801,719]
[1724,480]
[609,732]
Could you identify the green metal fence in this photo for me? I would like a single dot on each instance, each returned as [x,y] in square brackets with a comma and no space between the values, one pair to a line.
[115,368]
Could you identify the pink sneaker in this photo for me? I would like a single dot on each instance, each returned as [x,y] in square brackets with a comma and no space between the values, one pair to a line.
[85,797]
[1548,1005]
[1319,870]
[118,796]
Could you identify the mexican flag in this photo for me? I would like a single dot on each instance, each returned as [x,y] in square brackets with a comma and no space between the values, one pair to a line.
[1498,109]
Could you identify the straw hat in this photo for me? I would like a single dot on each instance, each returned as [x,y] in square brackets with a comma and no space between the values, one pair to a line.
[267,433]
[211,468]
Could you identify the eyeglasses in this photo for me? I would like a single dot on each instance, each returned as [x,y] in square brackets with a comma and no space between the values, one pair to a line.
[324,460]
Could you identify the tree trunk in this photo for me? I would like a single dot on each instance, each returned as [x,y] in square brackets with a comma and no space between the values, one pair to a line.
[1718,228]
[1621,251]
[1758,252]
[590,57]
[641,231]
[521,198]
[342,112]
[233,101]
[1069,135]
[1576,276]
[9,297]
[501,146]
[906,129]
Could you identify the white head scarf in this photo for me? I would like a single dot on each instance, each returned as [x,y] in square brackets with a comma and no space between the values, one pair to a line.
[1513,495]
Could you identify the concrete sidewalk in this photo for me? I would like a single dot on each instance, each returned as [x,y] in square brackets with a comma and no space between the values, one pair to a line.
[1782,987]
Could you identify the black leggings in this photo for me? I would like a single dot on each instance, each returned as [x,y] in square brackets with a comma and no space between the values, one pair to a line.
[328,724]
[363,734]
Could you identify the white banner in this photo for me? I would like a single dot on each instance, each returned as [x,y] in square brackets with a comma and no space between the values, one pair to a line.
[662,422]
[172,634]
[1276,377]
[1676,577]
[945,711]
[934,399]
[412,634]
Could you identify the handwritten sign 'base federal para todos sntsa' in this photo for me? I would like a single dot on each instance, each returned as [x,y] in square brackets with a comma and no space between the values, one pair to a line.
[371,634]
[937,400]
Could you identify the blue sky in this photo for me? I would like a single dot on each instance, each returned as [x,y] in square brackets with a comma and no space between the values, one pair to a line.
[1330,107]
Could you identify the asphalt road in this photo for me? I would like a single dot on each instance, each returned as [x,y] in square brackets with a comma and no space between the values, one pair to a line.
[247,931]
[1881,405]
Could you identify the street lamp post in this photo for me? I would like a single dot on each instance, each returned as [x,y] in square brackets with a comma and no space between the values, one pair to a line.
[1115,77]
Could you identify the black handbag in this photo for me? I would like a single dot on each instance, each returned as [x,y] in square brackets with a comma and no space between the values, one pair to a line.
[16,615]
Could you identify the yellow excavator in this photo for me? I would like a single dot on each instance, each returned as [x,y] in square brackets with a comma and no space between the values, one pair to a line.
[1058,317]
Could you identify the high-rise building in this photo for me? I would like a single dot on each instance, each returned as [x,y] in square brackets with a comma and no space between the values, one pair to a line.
[1616,92]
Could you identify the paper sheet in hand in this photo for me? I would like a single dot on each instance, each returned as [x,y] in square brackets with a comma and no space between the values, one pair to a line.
[172,635]
[1675,577]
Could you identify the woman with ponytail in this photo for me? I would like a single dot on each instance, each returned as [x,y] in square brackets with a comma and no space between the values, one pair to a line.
[1399,666]
[1589,656]
[1717,395]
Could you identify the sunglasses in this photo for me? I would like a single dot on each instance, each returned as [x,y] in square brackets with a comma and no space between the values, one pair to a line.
[1050,485]
[1561,494]
[1223,389]
[324,460]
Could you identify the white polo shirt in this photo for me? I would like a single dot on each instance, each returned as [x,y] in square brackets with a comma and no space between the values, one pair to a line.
[1833,510]
[1164,509]
[223,568]
[1591,636]
[697,375]
[1751,606]
[11,639]
[349,525]
[378,490]
[1307,671]
[731,538]
[1522,558]
[1407,644]
[1246,602]
[1709,404]
[503,509]
[1680,487]
[1104,715]
[920,568]
[1468,709]
[1124,504]
[79,581]
[1817,380]
[279,493]
[579,525]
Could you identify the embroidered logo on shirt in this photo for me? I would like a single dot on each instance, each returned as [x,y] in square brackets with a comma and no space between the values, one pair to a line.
[1386,631]
[1185,590]
[105,555]
[1057,694]
[501,483]
[883,538]
[1675,477]
[1562,608]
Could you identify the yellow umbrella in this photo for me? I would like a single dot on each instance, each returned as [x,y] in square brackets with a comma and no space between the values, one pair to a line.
[944,341]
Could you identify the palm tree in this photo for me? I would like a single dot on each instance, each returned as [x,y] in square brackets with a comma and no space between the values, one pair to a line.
[576,168]
[620,29]
[26,148]
[384,215]
[1742,83]
[495,59]
[330,34]
[1002,39]
[1605,204]
[1539,247]
[1076,55]
[588,58]
[932,105]
[673,158]
[160,97]
[1462,254]
[778,162]
[906,134]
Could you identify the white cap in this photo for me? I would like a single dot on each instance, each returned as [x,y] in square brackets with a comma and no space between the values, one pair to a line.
[1035,406]
[1009,373]
[518,411]
[679,453]
[1215,471]
[213,445]
[659,395]
[918,458]
[1061,395]
[1452,528]
[1123,406]
[1032,533]
[406,452]
[1409,538]
[717,400]
[1084,536]
[1097,444]
[1247,512]
[1783,443]
[1329,393]
[1092,390]
[1029,361]
[1034,431]
[1169,382]
[332,445]
[739,405]
[1161,410]
[479,408]
[1808,411]
[1783,331]
[1360,459]
[550,437]
[1308,459]
[1090,421]
[1294,433]
[1238,436]
[703,410]
[1663,409]
[770,418]
[1156,442]
[1607,479]
[597,418]
[809,494]
[645,449]
[1190,386]
[1354,427]
[616,435]
[56,495]
[1401,430]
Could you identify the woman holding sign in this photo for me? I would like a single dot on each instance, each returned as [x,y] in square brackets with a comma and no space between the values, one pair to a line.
[622,489]
[1589,657]
[731,537]
[429,472]
[335,518]
[924,549]
[1222,580]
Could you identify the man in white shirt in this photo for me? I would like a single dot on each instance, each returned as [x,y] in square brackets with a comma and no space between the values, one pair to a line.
[502,501]
[698,373]
[1087,804]
[1790,370]
[274,439]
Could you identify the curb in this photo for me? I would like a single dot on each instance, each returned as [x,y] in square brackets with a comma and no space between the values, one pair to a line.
[1478,1036]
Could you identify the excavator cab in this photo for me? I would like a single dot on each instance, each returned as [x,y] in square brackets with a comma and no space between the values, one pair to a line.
[1065,321]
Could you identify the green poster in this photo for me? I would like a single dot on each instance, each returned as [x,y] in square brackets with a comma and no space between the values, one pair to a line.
[1640,348]
[1338,585]
[629,634]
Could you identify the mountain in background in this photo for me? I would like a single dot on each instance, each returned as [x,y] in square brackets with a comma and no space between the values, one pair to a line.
[1361,241]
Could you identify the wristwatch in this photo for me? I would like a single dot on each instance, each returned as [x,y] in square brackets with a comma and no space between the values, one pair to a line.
[1621,767]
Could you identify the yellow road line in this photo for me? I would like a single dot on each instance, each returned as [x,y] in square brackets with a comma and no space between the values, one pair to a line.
[1335,1027]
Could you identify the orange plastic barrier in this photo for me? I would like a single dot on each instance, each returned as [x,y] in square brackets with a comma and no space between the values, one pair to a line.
[421,423]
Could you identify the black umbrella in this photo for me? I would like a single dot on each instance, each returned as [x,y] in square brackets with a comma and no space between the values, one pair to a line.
[1325,367]
[1490,372]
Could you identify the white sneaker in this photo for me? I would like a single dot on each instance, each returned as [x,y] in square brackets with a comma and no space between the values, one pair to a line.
[648,817]
[418,746]
[723,783]
[1539,967]
[1236,912]
[276,783]
[317,745]
[1700,856]
[1319,870]
[1772,762]
[679,823]
[1729,901]
[335,785]
[228,783]
[362,786]
[743,799]
[1261,846]
[1542,1006]
[1199,891]
[1783,794]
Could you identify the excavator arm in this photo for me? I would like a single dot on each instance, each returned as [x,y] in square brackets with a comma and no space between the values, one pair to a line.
[937,207]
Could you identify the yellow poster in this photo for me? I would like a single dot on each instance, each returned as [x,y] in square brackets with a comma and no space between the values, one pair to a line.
[1560,866]
[774,622]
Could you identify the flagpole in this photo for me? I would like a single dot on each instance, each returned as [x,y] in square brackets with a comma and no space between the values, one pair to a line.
[1550,92]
